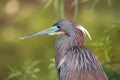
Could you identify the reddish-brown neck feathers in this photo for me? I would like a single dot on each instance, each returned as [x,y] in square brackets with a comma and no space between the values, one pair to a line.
[66,42]
[78,38]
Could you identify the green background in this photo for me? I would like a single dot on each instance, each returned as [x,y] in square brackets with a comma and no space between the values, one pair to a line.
[33,58]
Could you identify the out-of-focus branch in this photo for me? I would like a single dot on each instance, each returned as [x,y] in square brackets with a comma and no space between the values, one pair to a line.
[112,62]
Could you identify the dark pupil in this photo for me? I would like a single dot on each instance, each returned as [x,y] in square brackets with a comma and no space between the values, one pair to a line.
[58,26]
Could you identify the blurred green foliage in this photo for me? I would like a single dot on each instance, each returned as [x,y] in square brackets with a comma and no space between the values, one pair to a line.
[18,17]
[28,71]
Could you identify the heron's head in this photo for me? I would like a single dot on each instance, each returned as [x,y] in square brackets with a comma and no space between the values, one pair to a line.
[62,27]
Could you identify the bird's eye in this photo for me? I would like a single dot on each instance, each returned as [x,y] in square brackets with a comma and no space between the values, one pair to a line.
[59,26]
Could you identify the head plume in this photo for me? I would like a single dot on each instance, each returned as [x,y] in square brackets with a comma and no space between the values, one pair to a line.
[84,31]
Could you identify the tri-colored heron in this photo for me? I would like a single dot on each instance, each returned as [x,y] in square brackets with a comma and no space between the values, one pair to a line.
[73,60]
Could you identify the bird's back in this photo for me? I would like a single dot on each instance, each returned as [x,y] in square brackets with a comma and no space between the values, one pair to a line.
[79,63]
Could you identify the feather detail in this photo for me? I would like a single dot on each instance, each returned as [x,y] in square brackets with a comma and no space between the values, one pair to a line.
[61,62]
[84,31]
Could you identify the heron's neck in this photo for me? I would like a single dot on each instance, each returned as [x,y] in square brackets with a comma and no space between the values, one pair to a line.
[65,42]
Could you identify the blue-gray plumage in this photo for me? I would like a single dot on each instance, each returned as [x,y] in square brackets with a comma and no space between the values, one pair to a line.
[73,60]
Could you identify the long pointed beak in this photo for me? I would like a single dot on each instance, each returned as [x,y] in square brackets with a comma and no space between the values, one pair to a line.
[46,31]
